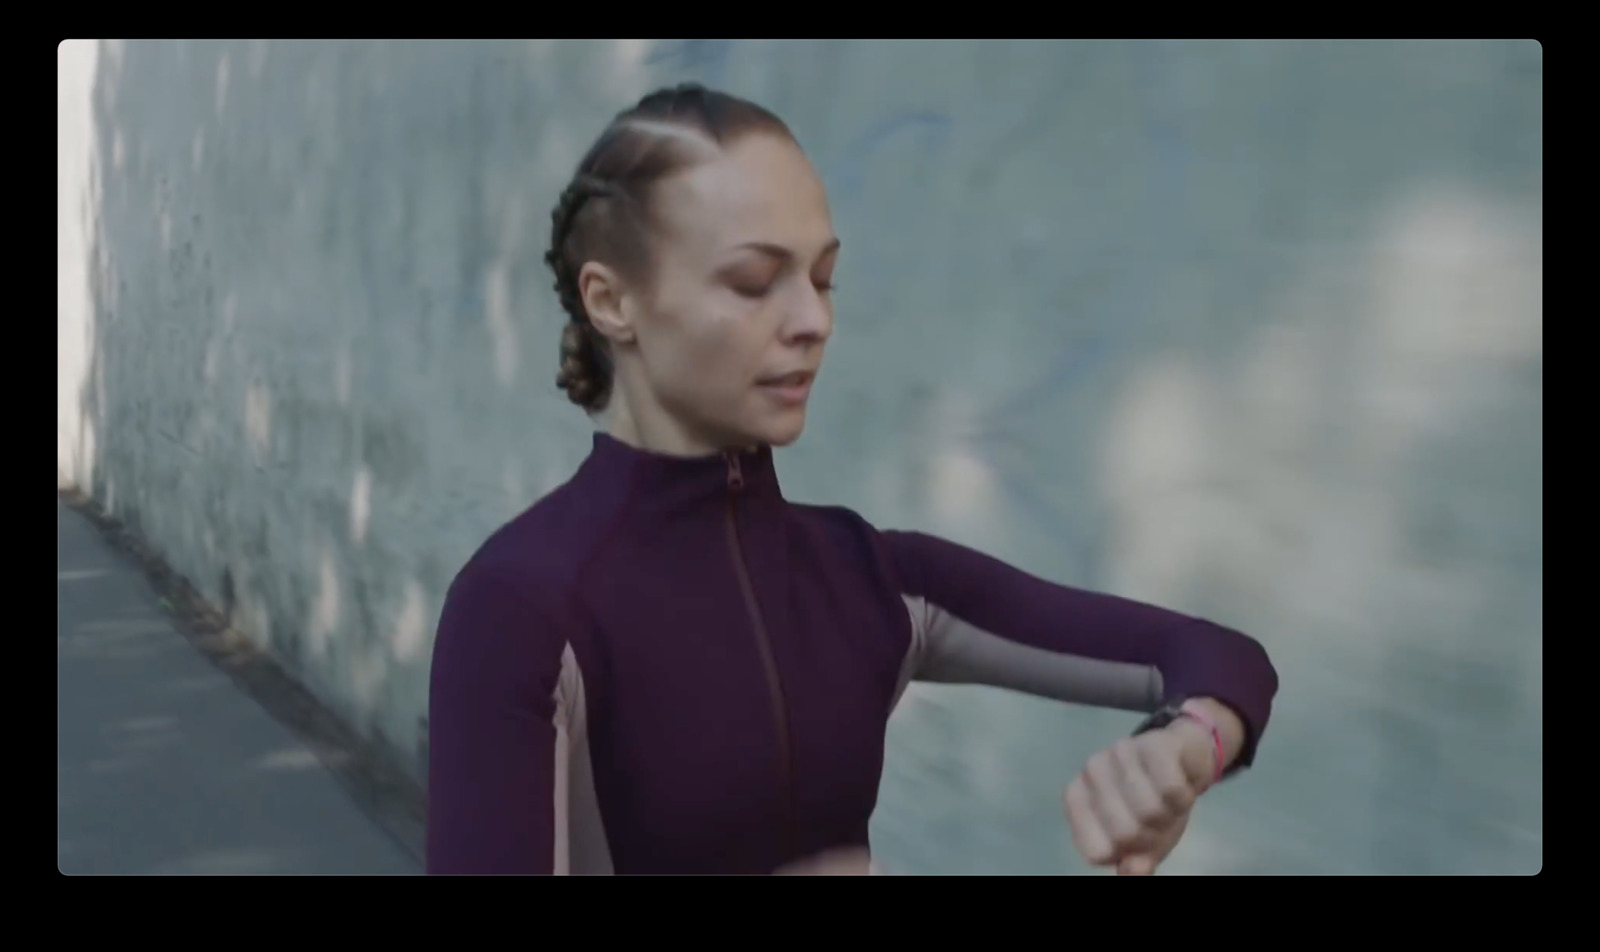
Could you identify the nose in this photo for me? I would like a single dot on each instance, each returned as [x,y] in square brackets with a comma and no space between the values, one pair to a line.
[810,317]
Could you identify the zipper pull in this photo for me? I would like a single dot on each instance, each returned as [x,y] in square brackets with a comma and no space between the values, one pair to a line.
[735,474]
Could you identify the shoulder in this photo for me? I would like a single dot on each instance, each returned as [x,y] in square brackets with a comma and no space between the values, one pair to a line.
[915,561]
[847,526]
[515,593]
[837,524]
[539,553]
[848,535]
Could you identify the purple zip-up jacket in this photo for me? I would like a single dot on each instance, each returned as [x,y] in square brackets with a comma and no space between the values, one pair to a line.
[665,667]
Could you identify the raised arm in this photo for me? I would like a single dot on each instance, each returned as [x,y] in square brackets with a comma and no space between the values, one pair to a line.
[492,739]
[977,620]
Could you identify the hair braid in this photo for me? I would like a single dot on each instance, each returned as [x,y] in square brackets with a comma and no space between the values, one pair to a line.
[585,372]
[602,215]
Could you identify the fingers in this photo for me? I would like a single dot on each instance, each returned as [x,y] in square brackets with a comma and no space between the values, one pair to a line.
[1108,785]
[1169,779]
[847,861]
[1130,804]
[1104,826]
[1088,834]
[1147,805]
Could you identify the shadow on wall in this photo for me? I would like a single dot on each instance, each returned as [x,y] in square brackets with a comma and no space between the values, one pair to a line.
[318,341]
[319,346]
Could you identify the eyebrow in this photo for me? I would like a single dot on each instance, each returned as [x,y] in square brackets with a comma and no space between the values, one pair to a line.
[782,253]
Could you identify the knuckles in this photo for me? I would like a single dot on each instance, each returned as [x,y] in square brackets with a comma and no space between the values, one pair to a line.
[1076,796]
[1128,772]
[1177,797]
[1153,814]
[1100,857]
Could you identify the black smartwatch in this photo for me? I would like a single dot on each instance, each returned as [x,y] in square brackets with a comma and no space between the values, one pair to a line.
[1163,716]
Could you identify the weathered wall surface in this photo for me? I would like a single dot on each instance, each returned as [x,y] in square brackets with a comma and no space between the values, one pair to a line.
[1251,330]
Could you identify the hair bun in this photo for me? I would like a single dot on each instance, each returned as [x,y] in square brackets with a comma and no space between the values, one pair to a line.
[582,373]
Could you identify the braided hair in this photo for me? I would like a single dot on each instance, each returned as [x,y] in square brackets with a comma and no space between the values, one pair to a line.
[603,213]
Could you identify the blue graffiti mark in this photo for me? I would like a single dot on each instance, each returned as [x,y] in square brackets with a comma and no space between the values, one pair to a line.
[470,303]
[849,170]
[1077,360]
[1171,146]
[1130,305]
[1123,314]
[707,58]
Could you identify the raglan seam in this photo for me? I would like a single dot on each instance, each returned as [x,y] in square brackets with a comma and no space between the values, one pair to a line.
[612,529]
[581,615]
[561,773]
[915,657]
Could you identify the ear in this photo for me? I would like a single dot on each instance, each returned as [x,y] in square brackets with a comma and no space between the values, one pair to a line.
[602,290]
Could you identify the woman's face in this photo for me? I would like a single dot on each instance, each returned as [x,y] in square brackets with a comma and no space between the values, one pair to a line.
[729,335]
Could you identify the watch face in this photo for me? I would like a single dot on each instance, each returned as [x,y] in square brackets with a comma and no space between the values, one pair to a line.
[1159,719]
[1164,715]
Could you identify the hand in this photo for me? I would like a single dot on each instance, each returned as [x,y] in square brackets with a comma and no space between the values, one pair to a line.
[846,861]
[1131,804]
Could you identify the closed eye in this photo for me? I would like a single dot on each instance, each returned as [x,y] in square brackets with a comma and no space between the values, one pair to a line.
[757,293]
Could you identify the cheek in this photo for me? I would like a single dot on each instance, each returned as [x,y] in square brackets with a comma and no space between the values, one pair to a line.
[712,348]
[728,352]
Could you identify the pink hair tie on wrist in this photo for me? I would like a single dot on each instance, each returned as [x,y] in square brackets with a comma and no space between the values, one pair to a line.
[1194,713]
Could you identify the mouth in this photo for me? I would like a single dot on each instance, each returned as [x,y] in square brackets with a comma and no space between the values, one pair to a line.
[796,379]
[789,388]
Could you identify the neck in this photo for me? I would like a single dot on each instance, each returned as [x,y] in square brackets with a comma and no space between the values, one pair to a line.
[654,430]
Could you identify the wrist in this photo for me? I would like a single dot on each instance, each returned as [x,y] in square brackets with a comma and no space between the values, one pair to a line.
[1216,725]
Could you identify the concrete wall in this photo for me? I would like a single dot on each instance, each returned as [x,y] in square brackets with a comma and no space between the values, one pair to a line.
[1250,330]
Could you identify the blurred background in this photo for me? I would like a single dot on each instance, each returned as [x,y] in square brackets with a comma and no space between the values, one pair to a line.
[1252,330]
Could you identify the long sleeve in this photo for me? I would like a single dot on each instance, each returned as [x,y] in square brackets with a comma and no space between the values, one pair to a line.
[977,620]
[492,771]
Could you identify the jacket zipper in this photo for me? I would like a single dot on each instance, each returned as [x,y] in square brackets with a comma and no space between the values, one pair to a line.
[780,710]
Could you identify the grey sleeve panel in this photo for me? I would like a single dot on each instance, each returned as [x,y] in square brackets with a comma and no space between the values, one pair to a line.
[944,649]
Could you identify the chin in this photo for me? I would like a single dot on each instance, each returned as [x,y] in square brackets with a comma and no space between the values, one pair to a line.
[783,431]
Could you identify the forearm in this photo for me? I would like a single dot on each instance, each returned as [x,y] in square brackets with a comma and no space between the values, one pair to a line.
[986,622]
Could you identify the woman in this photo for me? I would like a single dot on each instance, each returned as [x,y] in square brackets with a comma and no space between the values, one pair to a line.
[664,666]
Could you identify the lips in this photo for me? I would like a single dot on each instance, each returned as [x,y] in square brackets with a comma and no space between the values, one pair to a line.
[797,379]
[789,390]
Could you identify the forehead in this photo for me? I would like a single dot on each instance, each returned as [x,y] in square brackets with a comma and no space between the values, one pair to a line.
[760,189]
